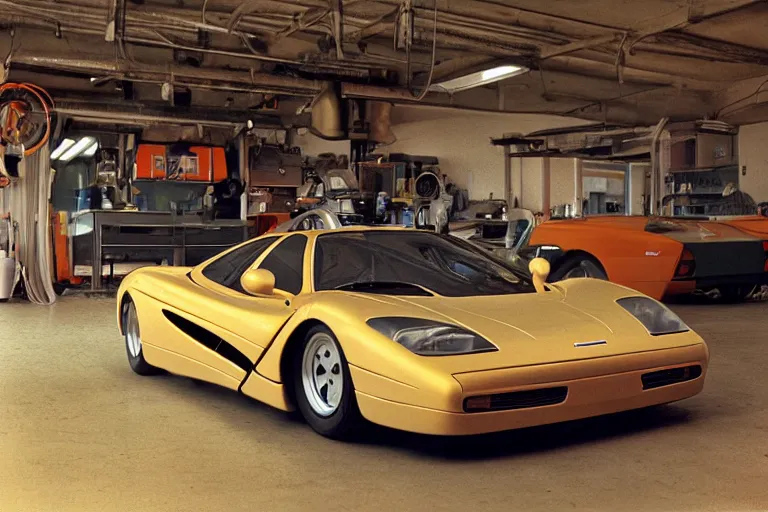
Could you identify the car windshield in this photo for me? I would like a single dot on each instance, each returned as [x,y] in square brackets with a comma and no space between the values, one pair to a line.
[339,180]
[441,264]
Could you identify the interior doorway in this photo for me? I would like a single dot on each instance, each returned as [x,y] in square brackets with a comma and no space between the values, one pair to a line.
[605,188]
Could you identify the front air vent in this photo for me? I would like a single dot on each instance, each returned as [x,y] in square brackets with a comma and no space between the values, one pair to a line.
[209,340]
[663,378]
[516,400]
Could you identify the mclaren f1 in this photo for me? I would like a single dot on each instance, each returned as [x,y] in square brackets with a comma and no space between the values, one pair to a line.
[409,329]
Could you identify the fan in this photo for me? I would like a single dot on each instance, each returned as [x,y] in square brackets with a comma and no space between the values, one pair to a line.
[428,186]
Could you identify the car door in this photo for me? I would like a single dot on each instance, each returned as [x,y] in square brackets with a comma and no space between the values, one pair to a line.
[238,327]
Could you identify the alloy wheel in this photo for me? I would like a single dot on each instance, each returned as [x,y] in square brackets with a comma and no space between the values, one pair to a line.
[132,334]
[321,374]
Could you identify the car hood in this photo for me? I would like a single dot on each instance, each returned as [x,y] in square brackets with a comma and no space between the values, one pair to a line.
[539,328]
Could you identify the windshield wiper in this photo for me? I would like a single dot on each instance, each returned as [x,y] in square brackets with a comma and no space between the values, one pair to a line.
[385,287]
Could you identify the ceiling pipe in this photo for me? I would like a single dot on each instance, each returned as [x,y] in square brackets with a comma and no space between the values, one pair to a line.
[252,80]
[358,69]
[87,28]
[210,79]
[132,114]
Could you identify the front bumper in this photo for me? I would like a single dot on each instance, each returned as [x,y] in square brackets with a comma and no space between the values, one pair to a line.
[617,387]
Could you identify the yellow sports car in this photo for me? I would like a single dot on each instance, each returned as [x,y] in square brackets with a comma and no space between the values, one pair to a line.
[408,329]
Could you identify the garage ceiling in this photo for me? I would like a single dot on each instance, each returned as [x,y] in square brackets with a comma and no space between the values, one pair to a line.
[615,61]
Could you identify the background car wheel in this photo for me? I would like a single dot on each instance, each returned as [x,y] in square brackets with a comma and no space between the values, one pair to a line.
[733,294]
[133,345]
[578,266]
[324,392]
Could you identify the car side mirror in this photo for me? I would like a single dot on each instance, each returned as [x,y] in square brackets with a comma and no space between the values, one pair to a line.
[258,281]
[539,268]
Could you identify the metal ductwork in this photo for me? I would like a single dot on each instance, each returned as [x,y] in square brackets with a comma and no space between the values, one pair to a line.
[381,123]
[328,117]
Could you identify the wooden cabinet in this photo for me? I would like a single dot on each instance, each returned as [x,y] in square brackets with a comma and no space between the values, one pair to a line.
[271,167]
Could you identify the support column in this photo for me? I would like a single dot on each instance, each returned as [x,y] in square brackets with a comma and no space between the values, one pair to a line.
[508,196]
[546,187]
[244,176]
[578,187]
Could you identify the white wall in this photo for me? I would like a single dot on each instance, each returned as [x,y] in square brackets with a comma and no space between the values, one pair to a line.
[312,146]
[562,187]
[462,142]
[527,183]
[753,153]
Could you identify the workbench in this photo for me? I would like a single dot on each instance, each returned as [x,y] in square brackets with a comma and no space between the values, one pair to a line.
[147,236]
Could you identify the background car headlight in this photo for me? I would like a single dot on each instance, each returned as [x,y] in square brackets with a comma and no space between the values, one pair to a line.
[430,338]
[657,318]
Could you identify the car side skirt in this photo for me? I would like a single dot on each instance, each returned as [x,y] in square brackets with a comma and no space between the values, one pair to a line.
[187,367]
[264,390]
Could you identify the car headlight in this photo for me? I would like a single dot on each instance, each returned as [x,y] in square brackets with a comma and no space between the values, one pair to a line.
[430,338]
[657,318]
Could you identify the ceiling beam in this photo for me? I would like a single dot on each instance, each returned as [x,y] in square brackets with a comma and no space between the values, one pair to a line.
[602,66]
[554,50]
[373,28]
[695,12]
[729,51]
[741,96]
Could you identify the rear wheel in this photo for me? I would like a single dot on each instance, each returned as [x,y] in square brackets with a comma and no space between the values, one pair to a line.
[579,266]
[133,345]
[324,392]
[736,293]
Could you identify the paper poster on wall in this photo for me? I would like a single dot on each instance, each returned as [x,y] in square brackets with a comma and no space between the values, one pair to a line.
[159,163]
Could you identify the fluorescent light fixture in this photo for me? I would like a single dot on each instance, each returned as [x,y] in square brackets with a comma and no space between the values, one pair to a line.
[82,145]
[65,145]
[499,72]
[478,78]
[91,150]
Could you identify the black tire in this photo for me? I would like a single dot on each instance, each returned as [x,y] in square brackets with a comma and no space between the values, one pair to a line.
[578,265]
[135,357]
[345,421]
[735,293]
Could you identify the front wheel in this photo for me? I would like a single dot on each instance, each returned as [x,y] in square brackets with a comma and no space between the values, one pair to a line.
[324,392]
[133,345]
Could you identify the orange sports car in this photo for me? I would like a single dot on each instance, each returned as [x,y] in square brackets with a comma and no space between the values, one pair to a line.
[659,256]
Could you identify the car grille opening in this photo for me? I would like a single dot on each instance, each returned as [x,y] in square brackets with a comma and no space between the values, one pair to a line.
[516,400]
[662,378]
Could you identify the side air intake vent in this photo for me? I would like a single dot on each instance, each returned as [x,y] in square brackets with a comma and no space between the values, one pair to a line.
[209,340]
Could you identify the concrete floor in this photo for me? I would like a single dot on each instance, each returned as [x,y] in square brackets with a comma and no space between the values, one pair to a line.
[80,432]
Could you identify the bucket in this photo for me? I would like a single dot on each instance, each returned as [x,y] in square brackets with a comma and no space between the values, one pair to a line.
[7,274]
